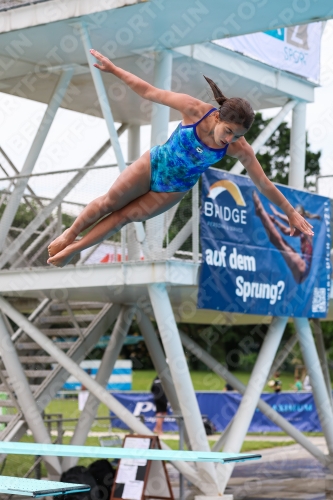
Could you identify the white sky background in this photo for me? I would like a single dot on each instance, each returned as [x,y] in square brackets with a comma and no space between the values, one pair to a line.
[74,137]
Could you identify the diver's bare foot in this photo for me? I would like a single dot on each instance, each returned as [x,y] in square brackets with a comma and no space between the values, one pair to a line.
[60,243]
[62,258]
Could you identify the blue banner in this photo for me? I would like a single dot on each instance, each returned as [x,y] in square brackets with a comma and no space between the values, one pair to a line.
[220,407]
[251,263]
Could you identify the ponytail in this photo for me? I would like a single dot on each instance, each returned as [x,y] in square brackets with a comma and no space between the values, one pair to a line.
[220,98]
[233,109]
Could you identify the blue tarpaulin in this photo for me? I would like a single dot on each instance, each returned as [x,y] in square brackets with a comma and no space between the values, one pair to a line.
[251,263]
[220,407]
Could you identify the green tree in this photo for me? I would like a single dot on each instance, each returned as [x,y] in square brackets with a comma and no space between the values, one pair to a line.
[274,157]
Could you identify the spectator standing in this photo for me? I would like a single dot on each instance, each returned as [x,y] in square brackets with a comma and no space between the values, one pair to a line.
[298,386]
[161,404]
[277,383]
[306,383]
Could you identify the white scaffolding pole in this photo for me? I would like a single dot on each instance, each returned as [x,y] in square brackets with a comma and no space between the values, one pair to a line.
[283,354]
[182,380]
[265,408]
[35,149]
[318,334]
[109,359]
[133,153]
[195,222]
[266,134]
[107,113]
[100,392]
[297,146]
[304,333]
[157,355]
[161,366]
[249,403]
[25,398]
[319,389]
[159,134]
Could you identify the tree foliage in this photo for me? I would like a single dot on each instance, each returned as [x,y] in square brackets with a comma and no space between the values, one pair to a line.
[274,157]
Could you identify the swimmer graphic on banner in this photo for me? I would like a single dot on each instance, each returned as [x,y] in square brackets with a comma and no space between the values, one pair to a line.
[251,262]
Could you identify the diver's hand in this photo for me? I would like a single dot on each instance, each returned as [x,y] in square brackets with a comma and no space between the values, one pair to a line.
[104,63]
[298,222]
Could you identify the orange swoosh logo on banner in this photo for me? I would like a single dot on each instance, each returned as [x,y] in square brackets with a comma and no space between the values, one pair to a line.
[226,185]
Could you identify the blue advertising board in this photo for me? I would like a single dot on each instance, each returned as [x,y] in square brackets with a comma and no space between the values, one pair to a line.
[220,407]
[251,263]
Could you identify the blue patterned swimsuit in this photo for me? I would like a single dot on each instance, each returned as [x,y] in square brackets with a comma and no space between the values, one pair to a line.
[177,164]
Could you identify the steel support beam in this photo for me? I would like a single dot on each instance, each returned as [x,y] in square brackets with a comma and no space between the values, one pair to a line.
[158,358]
[161,366]
[308,347]
[109,359]
[319,389]
[268,131]
[47,211]
[169,218]
[318,334]
[4,154]
[133,153]
[133,147]
[35,243]
[25,398]
[234,67]
[107,113]
[182,380]
[250,400]
[35,149]
[297,146]
[78,352]
[283,354]
[267,410]
[101,393]
[159,134]
[219,444]
[179,239]
[195,222]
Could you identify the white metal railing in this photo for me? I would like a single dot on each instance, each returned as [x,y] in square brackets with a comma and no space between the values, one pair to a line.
[181,229]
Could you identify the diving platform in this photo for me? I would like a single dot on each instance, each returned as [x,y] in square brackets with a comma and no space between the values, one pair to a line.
[125,283]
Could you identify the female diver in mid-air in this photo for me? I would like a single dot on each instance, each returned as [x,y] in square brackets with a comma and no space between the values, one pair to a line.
[162,176]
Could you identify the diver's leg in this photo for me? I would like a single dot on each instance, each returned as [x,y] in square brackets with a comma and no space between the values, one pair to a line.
[143,208]
[132,183]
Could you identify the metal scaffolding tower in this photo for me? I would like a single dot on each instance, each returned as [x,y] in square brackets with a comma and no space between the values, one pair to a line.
[76,305]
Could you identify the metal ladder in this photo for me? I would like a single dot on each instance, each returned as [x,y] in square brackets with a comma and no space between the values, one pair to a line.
[76,328]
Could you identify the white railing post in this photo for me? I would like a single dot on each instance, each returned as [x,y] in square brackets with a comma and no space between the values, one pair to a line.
[195,222]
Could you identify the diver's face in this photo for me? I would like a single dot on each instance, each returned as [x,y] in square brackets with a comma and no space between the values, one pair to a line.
[225,132]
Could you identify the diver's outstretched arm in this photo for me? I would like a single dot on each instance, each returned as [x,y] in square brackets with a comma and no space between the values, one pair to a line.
[186,104]
[245,154]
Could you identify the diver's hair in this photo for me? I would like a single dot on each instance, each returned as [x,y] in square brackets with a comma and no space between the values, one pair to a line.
[233,109]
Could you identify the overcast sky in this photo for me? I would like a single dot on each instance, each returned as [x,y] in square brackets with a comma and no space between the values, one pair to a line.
[73,138]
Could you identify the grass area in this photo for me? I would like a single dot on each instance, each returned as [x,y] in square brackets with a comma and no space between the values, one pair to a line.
[142,380]
[18,465]
[69,409]
[204,380]
[247,445]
